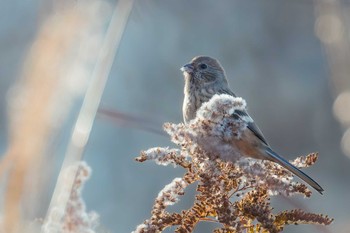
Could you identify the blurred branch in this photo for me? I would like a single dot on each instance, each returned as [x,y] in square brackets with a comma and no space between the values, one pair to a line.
[85,120]
[131,121]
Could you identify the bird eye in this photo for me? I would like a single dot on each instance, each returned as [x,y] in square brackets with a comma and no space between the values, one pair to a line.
[203,66]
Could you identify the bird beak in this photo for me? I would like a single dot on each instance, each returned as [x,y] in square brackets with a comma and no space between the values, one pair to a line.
[188,68]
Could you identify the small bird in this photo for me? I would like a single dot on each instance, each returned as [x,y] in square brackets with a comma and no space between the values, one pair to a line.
[205,77]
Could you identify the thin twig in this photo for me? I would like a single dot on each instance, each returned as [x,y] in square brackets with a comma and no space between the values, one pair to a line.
[131,121]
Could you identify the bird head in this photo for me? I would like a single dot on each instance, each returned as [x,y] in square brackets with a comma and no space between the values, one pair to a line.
[203,70]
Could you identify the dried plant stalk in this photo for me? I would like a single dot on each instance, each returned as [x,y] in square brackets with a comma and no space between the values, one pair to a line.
[235,194]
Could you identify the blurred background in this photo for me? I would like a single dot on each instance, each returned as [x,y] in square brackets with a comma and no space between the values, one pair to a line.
[289,59]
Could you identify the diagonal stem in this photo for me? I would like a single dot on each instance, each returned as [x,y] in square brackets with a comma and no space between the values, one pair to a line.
[87,114]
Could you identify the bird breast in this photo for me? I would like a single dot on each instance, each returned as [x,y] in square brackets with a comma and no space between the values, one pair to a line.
[193,99]
[189,107]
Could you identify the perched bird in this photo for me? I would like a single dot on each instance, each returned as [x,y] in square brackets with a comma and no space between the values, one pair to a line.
[205,77]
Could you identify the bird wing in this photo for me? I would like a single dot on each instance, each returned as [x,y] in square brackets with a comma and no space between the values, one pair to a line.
[245,117]
[226,91]
[273,156]
[251,124]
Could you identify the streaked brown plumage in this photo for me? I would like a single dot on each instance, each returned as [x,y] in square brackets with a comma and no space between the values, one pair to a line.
[205,77]
[202,83]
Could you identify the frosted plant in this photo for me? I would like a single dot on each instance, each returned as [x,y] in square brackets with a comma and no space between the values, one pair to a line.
[233,191]
[75,217]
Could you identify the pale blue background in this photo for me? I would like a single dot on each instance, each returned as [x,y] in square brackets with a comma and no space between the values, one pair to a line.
[272,58]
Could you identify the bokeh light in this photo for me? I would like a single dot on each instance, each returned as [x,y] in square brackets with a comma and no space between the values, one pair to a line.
[341,108]
[345,142]
[329,28]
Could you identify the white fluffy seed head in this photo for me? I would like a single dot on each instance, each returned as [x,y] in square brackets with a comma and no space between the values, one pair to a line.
[169,195]
[214,128]
[219,106]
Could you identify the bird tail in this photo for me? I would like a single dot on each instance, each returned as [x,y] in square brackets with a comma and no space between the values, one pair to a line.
[281,161]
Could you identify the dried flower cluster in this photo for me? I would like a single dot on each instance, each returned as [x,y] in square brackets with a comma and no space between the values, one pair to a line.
[234,192]
[75,218]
